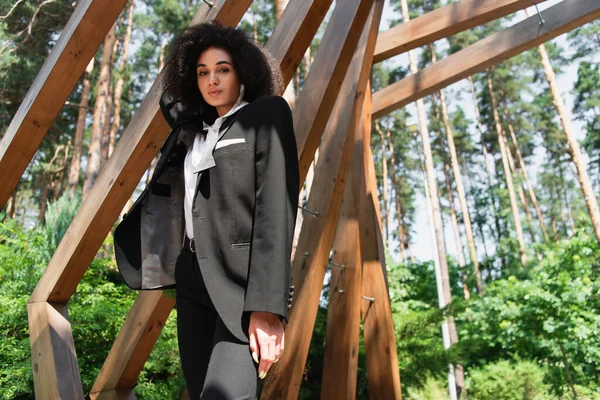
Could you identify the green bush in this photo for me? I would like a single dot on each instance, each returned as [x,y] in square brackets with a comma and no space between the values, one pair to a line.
[506,380]
[97,311]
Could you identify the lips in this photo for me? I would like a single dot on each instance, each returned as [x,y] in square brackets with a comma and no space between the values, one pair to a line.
[214,92]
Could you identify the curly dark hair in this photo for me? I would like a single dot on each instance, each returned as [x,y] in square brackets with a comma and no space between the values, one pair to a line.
[256,68]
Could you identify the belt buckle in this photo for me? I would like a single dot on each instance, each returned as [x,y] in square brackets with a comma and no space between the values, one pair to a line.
[192,245]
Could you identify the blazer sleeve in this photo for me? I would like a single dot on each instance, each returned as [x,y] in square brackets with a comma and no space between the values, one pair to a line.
[276,205]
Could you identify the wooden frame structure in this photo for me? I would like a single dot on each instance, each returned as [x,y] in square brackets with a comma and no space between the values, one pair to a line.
[334,110]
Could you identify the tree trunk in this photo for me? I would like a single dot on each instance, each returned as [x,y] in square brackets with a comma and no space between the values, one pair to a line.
[11,208]
[442,276]
[61,173]
[385,208]
[507,174]
[462,197]
[44,198]
[582,174]
[457,240]
[520,192]
[102,92]
[488,170]
[530,190]
[80,129]
[121,81]
[402,231]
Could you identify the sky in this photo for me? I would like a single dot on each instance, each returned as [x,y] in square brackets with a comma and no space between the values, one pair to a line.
[421,244]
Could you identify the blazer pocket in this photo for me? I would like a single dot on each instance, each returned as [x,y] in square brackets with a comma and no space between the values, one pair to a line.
[229,142]
[230,146]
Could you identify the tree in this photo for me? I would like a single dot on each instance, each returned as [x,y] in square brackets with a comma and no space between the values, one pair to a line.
[100,111]
[574,149]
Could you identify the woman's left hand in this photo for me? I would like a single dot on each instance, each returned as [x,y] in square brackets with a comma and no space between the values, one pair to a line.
[267,339]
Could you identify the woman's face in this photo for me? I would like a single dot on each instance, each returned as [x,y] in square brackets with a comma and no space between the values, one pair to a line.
[217,79]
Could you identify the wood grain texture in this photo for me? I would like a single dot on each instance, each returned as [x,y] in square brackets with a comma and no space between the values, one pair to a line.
[80,38]
[317,233]
[53,357]
[378,326]
[490,51]
[134,343]
[343,310]
[294,33]
[443,22]
[322,86]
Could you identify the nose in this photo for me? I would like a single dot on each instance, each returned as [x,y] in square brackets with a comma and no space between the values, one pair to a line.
[212,79]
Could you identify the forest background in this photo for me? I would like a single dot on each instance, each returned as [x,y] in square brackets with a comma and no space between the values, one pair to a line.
[523,276]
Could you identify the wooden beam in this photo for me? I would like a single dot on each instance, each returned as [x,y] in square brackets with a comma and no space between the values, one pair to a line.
[53,358]
[490,51]
[443,22]
[378,326]
[117,180]
[343,313]
[325,77]
[294,33]
[134,343]
[81,37]
[317,233]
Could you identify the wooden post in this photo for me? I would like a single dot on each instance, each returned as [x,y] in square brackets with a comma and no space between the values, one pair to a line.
[317,234]
[443,22]
[113,188]
[492,50]
[343,316]
[53,357]
[322,86]
[378,326]
[74,49]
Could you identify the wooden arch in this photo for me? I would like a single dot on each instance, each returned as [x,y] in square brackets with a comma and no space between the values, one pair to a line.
[333,111]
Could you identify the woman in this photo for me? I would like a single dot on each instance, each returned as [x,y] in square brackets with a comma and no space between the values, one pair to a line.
[218,216]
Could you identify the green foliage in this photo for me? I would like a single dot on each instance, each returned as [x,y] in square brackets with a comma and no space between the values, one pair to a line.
[552,316]
[433,389]
[97,311]
[505,380]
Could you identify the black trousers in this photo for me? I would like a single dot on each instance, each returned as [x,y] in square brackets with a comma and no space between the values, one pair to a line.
[216,365]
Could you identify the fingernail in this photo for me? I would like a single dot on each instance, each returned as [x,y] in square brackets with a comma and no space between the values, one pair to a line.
[255,357]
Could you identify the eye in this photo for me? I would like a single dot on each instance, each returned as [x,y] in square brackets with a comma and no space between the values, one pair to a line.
[225,69]
[202,73]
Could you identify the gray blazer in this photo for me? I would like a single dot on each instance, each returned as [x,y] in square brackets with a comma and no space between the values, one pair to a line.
[244,214]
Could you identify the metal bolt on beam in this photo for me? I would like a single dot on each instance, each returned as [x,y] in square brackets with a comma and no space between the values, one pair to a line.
[341,266]
[541,22]
[314,213]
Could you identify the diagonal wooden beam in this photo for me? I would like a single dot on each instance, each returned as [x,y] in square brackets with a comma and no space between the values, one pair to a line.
[133,344]
[114,186]
[490,51]
[378,326]
[443,22]
[325,77]
[343,311]
[294,33]
[317,233]
[81,37]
